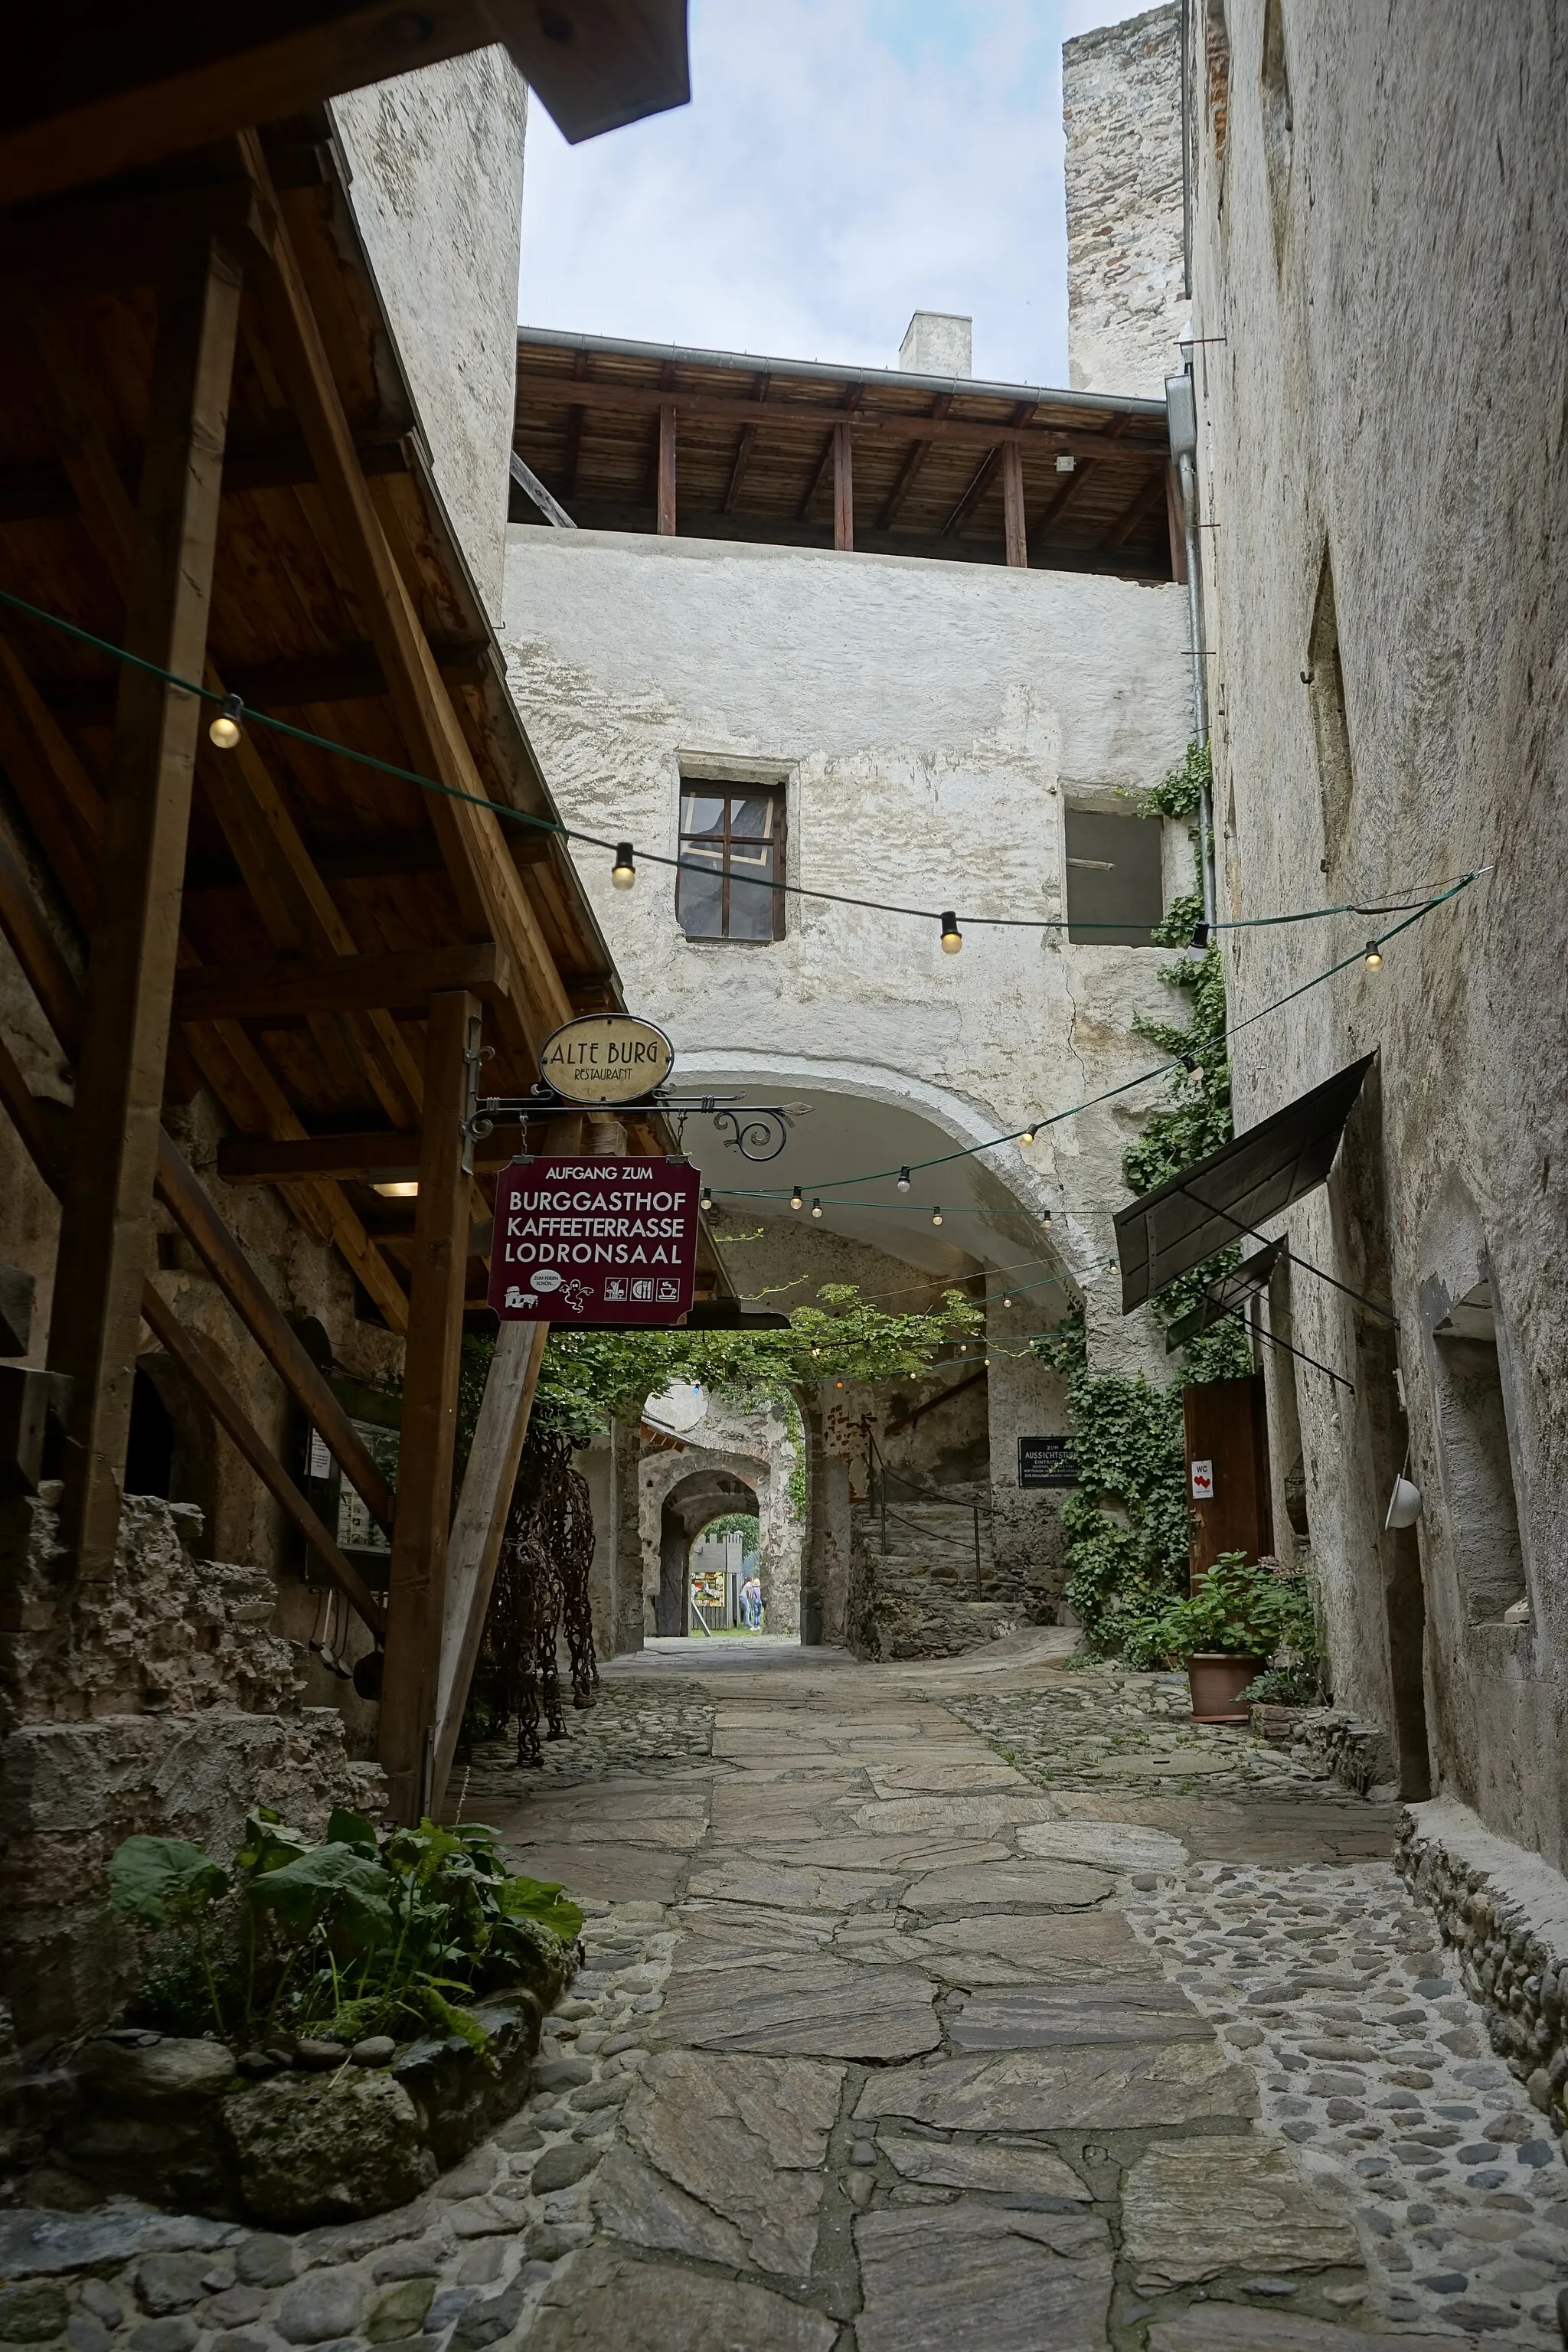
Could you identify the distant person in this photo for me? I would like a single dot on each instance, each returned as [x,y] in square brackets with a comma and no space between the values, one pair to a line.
[751,1602]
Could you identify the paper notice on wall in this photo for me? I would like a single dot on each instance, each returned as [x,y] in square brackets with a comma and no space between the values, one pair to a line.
[1202,1482]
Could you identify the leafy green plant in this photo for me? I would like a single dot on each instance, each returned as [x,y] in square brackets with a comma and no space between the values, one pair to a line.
[1128,1526]
[359,1934]
[1241,1609]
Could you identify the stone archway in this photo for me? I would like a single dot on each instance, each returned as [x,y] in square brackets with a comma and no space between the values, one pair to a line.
[701,1495]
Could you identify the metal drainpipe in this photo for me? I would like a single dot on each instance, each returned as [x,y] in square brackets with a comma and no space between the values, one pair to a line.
[1181,404]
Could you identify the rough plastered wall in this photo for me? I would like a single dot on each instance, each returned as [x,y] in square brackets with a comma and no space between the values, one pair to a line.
[437,159]
[1379,181]
[758,1446]
[929,721]
[1121,110]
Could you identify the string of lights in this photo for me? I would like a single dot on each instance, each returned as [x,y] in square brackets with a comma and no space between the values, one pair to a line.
[227,724]
[1370,955]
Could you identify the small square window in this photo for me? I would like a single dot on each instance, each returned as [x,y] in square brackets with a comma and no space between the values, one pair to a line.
[1115,879]
[731,855]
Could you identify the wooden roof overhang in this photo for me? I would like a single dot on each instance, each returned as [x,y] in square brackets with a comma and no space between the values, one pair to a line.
[324,902]
[721,444]
[208,444]
[90,89]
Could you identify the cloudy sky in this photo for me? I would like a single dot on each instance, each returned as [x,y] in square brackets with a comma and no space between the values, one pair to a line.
[842,163]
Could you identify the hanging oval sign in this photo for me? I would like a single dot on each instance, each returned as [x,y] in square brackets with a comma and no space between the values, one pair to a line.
[605,1057]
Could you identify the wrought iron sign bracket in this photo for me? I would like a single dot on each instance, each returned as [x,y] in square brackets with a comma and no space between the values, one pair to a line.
[759,1132]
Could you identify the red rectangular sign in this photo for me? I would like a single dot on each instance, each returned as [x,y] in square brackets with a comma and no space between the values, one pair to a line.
[595,1241]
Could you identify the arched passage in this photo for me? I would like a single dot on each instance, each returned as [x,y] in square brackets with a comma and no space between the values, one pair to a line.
[686,1510]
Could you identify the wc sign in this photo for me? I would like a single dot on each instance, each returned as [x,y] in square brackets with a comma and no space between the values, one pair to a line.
[1202,1482]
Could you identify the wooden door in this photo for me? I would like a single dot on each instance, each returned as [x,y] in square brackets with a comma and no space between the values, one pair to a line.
[1226,1427]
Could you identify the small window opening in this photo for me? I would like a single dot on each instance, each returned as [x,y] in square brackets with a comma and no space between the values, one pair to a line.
[1115,878]
[149,1455]
[732,853]
[1278,128]
[1330,722]
[1477,1470]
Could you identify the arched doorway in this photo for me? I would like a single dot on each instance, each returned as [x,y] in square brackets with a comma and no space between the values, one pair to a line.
[686,1510]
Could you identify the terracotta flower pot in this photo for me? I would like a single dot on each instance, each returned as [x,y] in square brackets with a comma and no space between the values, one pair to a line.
[1218,1678]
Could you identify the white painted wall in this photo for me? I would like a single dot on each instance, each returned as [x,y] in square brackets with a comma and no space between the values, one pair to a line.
[436,160]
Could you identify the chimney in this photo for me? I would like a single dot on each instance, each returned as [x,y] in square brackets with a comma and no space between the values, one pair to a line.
[938,343]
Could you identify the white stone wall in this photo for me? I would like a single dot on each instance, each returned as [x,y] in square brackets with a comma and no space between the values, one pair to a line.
[436,160]
[1121,109]
[1390,396]
[928,723]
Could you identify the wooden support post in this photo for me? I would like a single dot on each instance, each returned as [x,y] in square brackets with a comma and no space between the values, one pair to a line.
[666,470]
[1013,507]
[479,1525]
[416,1591]
[106,1217]
[843,489]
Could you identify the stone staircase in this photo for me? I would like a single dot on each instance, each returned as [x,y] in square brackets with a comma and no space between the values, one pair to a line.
[921,1598]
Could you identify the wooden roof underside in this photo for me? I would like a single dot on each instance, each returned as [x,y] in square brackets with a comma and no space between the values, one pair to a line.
[755,456]
[297,855]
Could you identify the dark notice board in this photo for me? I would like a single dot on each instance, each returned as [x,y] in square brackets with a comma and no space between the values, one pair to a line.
[1046,1461]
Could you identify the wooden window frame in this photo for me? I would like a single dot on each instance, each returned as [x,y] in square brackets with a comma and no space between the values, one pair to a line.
[729,790]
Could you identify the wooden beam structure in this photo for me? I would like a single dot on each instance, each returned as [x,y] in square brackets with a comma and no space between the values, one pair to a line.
[1014,525]
[380,1156]
[664,462]
[484,878]
[843,489]
[785,415]
[478,1525]
[346,983]
[743,448]
[909,471]
[416,1588]
[105,1224]
[88,98]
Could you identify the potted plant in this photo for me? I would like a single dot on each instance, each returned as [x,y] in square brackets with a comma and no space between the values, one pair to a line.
[1225,1634]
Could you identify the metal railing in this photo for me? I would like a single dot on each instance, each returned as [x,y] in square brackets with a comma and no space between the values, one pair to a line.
[881,1473]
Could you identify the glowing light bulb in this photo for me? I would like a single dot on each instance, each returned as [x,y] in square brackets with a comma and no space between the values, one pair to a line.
[1007,1302]
[225,728]
[1026,1139]
[936,1216]
[903,1183]
[399,1192]
[624,872]
[1373,956]
[797,1199]
[817,1208]
[952,937]
[707,1198]
[1045,1219]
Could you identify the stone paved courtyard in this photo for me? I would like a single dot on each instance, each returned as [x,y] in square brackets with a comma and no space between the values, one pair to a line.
[981,2002]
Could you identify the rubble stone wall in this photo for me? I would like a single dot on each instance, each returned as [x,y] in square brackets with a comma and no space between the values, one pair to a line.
[157,1701]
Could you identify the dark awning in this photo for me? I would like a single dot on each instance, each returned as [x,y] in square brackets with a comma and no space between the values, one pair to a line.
[1225,1197]
[1223,1296]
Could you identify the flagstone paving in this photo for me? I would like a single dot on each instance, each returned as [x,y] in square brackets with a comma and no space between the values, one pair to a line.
[930,2021]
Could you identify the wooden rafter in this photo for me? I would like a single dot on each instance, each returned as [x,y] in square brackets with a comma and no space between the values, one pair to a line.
[913,465]
[979,433]
[575,430]
[27,1118]
[416,1585]
[106,1207]
[59,998]
[255,991]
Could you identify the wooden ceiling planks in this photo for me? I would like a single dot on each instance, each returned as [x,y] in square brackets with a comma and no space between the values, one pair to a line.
[755,455]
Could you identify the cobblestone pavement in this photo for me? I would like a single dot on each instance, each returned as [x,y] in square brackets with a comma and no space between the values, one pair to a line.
[887,2044]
